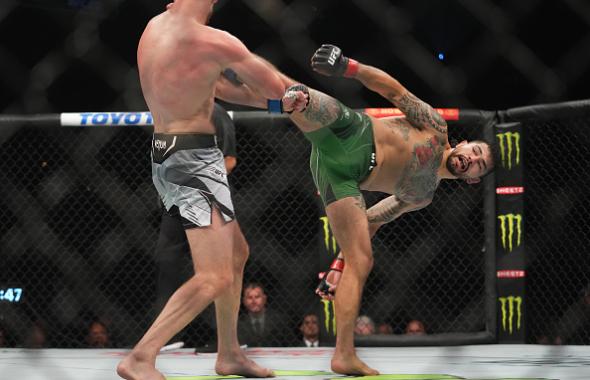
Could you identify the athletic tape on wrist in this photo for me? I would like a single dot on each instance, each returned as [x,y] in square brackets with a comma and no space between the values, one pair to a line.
[352,68]
[274,106]
[337,265]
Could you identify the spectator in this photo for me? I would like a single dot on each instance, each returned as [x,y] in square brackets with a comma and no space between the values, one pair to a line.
[36,335]
[259,326]
[415,327]
[310,330]
[549,340]
[364,326]
[98,335]
[384,328]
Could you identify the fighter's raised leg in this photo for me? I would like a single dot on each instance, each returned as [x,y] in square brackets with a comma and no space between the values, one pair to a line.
[321,110]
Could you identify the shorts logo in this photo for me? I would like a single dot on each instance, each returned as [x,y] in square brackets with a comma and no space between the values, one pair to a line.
[216,172]
[373,162]
[160,144]
[509,148]
[510,225]
[511,307]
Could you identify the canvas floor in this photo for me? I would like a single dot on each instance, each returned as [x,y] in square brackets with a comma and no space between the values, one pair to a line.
[497,362]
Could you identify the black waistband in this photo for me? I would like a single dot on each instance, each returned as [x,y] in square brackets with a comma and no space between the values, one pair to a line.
[164,144]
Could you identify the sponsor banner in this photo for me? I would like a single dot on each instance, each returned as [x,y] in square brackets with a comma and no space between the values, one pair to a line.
[510,190]
[510,231]
[511,273]
[106,119]
[446,113]
[329,250]
[511,313]
[329,239]
[509,143]
[329,313]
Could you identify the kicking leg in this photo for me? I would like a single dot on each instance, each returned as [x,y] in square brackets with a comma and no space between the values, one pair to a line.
[322,110]
[348,220]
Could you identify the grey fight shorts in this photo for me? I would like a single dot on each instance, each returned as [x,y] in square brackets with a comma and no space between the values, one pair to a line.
[189,173]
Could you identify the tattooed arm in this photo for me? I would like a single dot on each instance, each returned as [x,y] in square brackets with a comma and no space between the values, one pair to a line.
[418,113]
[390,209]
[386,211]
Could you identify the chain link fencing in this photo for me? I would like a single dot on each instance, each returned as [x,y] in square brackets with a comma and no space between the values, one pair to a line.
[557,233]
[79,217]
[80,220]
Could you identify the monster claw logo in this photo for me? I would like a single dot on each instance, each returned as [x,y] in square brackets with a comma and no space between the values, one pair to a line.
[508,222]
[329,316]
[329,239]
[331,247]
[509,142]
[509,305]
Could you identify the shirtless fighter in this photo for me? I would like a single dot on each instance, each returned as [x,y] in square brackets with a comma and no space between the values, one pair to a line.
[180,61]
[405,157]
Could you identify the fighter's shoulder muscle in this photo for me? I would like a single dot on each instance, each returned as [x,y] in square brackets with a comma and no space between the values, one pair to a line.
[229,47]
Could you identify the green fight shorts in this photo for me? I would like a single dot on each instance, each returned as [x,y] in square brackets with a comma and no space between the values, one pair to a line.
[342,155]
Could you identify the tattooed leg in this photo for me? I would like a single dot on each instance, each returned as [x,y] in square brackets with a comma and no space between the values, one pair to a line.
[322,110]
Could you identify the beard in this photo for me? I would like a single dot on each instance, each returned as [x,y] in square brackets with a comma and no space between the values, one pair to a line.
[456,166]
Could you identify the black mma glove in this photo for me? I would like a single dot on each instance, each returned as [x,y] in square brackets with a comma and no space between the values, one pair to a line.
[328,60]
[324,286]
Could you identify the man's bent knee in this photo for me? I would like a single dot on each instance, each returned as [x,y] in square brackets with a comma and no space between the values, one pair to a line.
[212,284]
[361,265]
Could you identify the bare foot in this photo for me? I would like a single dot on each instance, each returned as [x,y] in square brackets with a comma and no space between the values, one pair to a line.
[240,365]
[132,368]
[352,366]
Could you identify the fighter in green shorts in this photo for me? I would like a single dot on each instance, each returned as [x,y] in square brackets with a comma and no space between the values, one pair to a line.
[405,157]
[342,155]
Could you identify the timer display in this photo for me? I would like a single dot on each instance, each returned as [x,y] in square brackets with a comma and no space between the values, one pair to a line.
[11,295]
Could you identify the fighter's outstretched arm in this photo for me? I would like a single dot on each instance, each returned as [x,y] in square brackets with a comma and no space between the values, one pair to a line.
[238,93]
[252,70]
[328,60]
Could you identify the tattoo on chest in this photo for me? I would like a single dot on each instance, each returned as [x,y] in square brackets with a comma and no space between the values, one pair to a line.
[398,126]
[419,178]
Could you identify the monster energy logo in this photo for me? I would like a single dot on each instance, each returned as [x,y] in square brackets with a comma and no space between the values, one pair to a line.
[329,239]
[329,316]
[506,141]
[507,224]
[509,304]
[331,246]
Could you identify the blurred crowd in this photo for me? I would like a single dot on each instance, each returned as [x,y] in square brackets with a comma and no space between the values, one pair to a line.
[261,325]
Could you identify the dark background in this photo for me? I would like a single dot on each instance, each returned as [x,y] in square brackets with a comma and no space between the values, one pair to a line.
[76,55]
[79,55]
